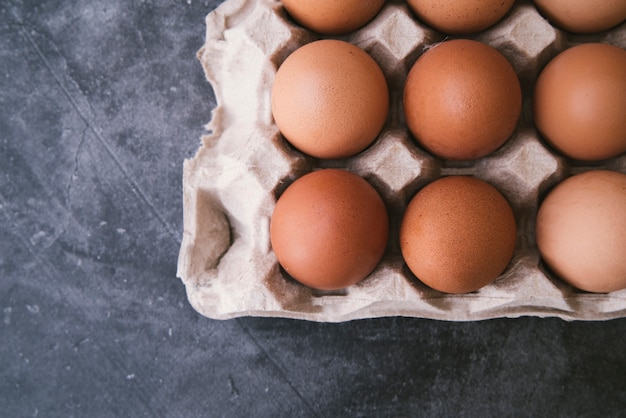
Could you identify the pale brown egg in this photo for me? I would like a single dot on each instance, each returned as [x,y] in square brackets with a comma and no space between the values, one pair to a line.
[462,99]
[581,230]
[330,99]
[583,16]
[458,234]
[329,229]
[333,17]
[580,102]
[460,17]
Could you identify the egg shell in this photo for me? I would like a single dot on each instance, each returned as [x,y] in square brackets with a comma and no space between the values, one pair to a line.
[330,99]
[581,230]
[460,17]
[462,99]
[333,17]
[580,102]
[329,229]
[458,234]
[583,16]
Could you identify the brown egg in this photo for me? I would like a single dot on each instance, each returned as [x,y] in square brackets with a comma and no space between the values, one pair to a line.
[330,99]
[583,16]
[333,17]
[458,234]
[460,17]
[581,230]
[579,102]
[462,100]
[329,229]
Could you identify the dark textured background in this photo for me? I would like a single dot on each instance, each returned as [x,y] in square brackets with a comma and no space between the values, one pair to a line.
[100,102]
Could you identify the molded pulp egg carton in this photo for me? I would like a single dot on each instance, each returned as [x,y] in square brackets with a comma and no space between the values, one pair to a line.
[231,185]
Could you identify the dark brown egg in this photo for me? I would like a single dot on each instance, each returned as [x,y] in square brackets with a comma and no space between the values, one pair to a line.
[458,234]
[333,17]
[462,100]
[329,229]
[460,16]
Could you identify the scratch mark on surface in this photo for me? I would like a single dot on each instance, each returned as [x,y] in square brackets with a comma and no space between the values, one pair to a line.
[74,175]
[7,315]
[34,309]
[137,190]
[234,392]
[80,342]
[279,367]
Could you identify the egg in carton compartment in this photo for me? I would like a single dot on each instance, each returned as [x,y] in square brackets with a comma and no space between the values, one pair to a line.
[243,165]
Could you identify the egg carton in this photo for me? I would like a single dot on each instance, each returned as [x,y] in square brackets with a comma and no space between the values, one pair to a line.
[232,183]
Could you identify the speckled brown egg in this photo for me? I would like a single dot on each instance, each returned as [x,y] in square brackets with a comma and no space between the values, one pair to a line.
[462,99]
[330,99]
[583,16]
[580,102]
[333,17]
[329,229]
[581,230]
[460,17]
[458,234]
